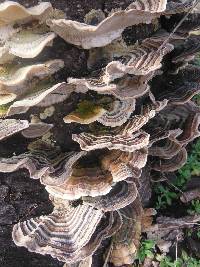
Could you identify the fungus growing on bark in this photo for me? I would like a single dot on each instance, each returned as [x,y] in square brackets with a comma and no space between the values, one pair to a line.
[110,28]
[19,45]
[47,95]
[11,126]
[43,162]
[83,182]
[120,196]
[124,142]
[140,98]
[11,12]
[54,234]
[116,115]
[36,130]
[19,81]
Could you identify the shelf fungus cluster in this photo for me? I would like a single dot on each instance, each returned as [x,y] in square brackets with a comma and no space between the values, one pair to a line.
[134,116]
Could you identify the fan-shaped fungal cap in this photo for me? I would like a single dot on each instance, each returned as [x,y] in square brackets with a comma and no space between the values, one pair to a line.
[43,162]
[86,113]
[6,98]
[174,7]
[60,234]
[170,148]
[32,164]
[11,126]
[127,87]
[124,165]
[119,197]
[52,95]
[5,57]
[6,32]
[19,45]
[11,11]
[37,129]
[142,60]
[147,113]
[129,138]
[83,182]
[131,87]
[106,228]
[180,113]
[62,168]
[110,28]
[172,164]
[17,80]
[154,6]
[25,44]
[191,129]
[126,240]
[119,113]
[124,142]
[181,95]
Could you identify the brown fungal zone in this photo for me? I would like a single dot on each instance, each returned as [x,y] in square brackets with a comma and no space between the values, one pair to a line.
[98,190]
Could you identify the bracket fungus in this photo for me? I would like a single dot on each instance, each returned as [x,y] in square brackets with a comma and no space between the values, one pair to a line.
[11,126]
[116,115]
[54,234]
[124,142]
[36,130]
[19,45]
[48,95]
[110,28]
[11,12]
[83,182]
[43,162]
[121,195]
[129,108]
[20,81]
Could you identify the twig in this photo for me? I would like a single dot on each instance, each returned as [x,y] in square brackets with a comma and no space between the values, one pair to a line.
[178,25]
[178,189]
[108,254]
[126,217]
[176,247]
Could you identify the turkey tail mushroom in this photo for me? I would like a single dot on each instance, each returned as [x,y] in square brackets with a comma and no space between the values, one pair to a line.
[37,130]
[83,182]
[56,235]
[118,113]
[120,196]
[11,12]
[12,126]
[124,142]
[126,241]
[25,44]
[43,162]
[46,96]
[110,28]
[19,80]
[172,164]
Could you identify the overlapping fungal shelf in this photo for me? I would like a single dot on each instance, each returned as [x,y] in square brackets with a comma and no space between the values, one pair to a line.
[134,116]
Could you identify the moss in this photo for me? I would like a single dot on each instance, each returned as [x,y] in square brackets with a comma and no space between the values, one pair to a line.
[5,71]
[86,109]
[4,109]
[196,99]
